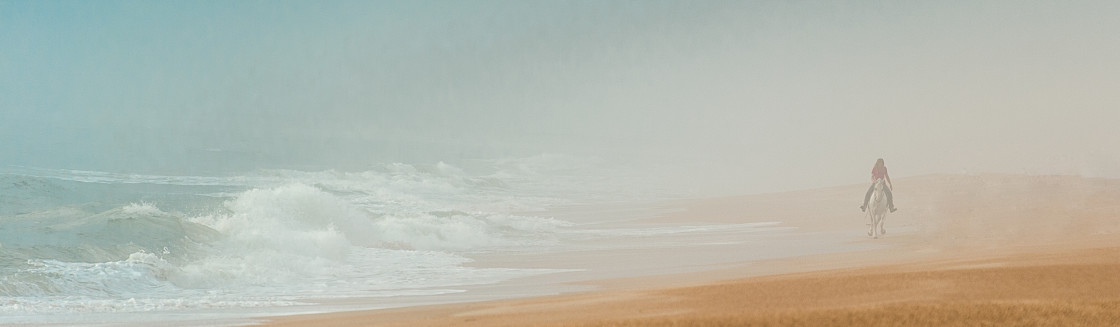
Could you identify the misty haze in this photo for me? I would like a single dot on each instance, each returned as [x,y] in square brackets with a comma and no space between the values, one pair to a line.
[219,163]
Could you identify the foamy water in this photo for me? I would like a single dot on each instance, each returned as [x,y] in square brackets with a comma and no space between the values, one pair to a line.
[85,246]
[100,248]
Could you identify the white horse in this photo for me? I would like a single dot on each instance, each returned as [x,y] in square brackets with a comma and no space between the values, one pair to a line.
[877,209]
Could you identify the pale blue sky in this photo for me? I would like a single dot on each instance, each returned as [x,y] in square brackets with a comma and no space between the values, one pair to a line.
[775,94]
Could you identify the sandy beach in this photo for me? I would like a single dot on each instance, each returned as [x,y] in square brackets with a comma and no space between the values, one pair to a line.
[558,163]
[962,250]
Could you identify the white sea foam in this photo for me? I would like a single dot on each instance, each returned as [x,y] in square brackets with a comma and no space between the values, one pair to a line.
[80,242]
[143,209]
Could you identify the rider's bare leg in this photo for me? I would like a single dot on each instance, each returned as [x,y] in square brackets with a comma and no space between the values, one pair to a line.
[890,200]
[867,197]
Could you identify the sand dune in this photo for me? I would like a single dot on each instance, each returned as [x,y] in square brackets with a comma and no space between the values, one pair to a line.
[965,250]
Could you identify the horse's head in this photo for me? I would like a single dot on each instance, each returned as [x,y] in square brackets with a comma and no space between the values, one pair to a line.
[880,184]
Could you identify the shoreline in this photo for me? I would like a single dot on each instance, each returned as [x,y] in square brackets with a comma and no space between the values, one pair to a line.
[961,228]
[1058,287]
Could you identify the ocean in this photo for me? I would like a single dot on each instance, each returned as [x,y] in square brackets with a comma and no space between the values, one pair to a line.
[107,248]
[88,246]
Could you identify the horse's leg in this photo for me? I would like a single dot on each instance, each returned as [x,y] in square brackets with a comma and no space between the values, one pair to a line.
[874,229]
[875,225]
[871,226]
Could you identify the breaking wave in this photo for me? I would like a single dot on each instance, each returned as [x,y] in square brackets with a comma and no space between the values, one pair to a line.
[79,241]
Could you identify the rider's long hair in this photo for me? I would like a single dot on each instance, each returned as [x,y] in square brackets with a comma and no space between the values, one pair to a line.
[879,163]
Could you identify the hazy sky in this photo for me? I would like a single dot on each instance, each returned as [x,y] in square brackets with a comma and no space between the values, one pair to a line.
[774,94]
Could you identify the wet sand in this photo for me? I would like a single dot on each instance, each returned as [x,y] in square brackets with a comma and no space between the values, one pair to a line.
[962,250]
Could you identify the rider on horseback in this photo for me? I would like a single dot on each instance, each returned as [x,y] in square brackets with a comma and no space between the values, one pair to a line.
[879,172]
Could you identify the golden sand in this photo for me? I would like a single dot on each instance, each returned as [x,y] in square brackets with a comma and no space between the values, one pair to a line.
[998,250]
